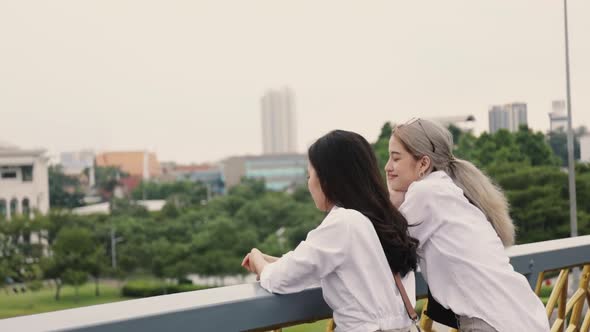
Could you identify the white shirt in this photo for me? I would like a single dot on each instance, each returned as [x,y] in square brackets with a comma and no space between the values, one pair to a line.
[345,256]
[463,260]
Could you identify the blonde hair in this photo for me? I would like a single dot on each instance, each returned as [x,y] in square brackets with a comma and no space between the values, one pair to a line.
[426,138]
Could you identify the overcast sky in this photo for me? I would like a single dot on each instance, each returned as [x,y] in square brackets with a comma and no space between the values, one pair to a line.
[184,78]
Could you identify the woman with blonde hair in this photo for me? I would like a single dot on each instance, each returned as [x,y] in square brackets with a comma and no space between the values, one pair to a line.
[461,221]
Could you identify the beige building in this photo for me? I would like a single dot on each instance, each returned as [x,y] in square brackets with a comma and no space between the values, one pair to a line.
[137,163]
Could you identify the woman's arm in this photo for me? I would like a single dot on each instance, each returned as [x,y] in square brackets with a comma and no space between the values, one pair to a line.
[269,258]
[324,250]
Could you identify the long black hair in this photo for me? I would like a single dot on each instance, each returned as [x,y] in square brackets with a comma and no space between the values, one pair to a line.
[349,177]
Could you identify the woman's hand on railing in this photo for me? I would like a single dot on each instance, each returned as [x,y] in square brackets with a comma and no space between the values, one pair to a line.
[255,262]
[246,263]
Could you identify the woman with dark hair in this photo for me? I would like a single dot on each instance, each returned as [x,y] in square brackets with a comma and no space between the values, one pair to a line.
[361,250]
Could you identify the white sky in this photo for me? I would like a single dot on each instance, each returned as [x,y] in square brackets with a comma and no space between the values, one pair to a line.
[184,78]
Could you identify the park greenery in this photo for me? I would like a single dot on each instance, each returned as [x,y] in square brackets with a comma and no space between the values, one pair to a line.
[196,235]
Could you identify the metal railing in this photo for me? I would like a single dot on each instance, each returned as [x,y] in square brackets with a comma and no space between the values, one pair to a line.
[249,307]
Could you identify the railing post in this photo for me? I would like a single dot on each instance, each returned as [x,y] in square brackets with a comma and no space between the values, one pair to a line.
[539,285]
[578,299]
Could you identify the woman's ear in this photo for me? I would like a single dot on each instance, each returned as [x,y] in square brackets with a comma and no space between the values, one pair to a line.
[425,164]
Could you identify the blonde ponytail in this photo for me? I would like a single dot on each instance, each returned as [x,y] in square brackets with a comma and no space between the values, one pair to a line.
[430,139]
[481,192]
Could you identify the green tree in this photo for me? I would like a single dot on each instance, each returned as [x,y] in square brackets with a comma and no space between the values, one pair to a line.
[75,278]
[71,262]
[97,266]
[456,132]
[107,179]
[219,244]
[179,193]
[558,142]
[64,191]
[123,206]
[20,257]
[249,188]
[534,146]
[381,146]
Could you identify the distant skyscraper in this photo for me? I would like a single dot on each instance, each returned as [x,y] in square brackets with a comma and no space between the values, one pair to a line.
[278,121]
[509,117]
[498,118]
[585,148]
[558,116]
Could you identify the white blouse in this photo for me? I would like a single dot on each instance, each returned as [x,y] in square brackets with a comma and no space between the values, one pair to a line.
[345,256]
[463,259]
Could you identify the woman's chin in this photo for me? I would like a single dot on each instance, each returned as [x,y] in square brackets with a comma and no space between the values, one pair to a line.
[393,185]
[396,186]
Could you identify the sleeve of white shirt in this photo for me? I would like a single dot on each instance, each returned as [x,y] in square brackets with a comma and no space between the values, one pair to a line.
[418,208]
[324,249]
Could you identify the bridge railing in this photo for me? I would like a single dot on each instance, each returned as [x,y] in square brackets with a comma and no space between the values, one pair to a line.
[249,307]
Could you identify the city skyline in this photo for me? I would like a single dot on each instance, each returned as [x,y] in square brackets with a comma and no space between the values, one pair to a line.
[508,116]
[188,87]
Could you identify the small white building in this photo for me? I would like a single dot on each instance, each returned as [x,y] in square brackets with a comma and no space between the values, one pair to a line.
[24,181]
[105,208]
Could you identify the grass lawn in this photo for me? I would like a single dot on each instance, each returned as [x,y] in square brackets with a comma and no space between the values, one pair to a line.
[43,301]
[319,326]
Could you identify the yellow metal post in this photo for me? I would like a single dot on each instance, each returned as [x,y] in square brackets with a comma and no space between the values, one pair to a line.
[540,280]
[330,326]
[576,303]
[556,292]
[425,321]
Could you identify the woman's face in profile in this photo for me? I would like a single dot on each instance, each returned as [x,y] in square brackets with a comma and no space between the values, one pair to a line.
[315,189]
[402,168]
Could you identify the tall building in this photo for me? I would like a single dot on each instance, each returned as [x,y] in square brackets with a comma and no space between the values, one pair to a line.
[585,148]
[498,118]
[24,181]
[558,116]
[518,114]
[278,121]
[508,116]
